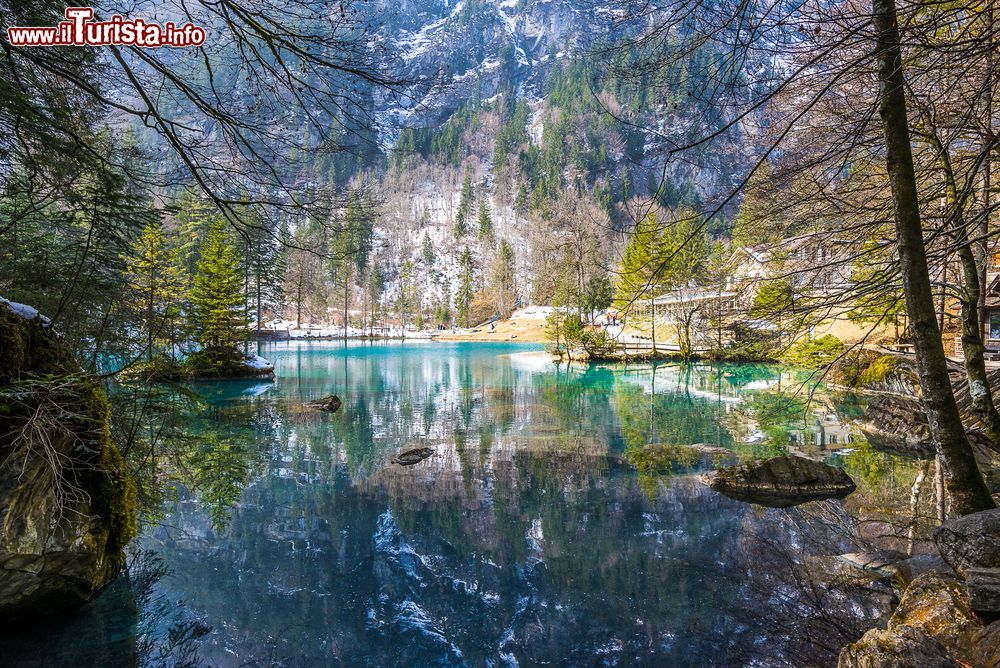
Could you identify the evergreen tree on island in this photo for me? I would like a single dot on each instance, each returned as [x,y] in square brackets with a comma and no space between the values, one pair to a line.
[155,286]
[218,314]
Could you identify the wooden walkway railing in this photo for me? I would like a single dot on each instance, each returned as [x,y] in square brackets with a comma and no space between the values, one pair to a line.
[646,347]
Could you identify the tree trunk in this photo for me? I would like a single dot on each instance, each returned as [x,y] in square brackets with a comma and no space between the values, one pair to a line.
[966,490]
[972,342]
[258,313]
[983,246]
[972,329]
[911,532]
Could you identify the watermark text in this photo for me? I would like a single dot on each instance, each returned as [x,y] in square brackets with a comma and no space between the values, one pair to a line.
[79,29]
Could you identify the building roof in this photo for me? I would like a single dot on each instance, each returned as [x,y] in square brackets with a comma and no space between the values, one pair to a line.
[686,295]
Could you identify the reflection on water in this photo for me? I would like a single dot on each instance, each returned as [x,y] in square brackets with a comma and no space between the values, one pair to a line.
[526,539]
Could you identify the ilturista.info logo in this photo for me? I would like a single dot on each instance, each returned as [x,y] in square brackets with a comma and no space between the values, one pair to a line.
[80,29]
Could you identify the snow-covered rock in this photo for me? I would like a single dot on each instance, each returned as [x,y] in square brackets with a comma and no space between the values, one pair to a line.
[25,311]
[258,363]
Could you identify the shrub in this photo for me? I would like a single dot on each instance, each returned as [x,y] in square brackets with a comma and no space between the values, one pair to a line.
[748,345]
[815,353]
[865,367]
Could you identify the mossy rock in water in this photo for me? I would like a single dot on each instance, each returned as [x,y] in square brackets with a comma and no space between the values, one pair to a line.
[871,370]
[60,543]
[330,404]
[781,482]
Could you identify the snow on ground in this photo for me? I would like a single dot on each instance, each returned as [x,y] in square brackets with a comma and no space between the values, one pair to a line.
[258,363]
[532,313]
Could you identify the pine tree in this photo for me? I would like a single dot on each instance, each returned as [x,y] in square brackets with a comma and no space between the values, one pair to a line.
[659,258]
[406,299]
[502,280]
[464,206]
[637,278]
[154,285]
[351,248]
[759,220]
[465,290]
[218,314]
[374,286]
[260,245]
[598,294]
[683,251]
[427,253]
[193,218]
[485,222]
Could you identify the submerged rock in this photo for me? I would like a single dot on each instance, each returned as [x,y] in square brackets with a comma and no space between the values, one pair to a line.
[970,541]
[898,425]
[781,482]
[67,499]
[411,457]
[330,404]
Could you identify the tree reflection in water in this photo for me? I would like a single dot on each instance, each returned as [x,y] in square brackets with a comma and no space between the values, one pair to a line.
[527,537]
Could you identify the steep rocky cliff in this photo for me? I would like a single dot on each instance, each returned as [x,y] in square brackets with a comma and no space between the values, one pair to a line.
[67,500]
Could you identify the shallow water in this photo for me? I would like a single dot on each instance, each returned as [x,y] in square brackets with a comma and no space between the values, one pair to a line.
[528,538]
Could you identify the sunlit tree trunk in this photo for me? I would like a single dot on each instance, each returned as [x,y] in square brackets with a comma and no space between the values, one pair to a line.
[918,482]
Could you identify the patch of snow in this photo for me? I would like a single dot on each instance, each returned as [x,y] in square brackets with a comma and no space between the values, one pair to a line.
[25,311]
[532,313]
[259,363]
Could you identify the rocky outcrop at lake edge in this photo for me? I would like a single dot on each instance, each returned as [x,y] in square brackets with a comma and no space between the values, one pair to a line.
[67,499]
[942,617]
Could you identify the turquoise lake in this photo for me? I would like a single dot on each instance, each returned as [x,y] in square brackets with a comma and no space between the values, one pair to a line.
[287,536]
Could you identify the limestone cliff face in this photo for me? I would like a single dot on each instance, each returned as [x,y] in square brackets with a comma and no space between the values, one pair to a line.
[67,500]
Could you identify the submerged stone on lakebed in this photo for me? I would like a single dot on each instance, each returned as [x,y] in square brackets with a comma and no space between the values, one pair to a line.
[330,404]
[411,457]
[781,482]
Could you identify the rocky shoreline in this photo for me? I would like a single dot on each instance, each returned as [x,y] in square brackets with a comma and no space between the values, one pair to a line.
[949,599]
[947,615]
[67,497]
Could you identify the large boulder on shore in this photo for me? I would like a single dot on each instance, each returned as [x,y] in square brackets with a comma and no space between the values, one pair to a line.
[781,482]
[970,541]
[67,499]
[932,626]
